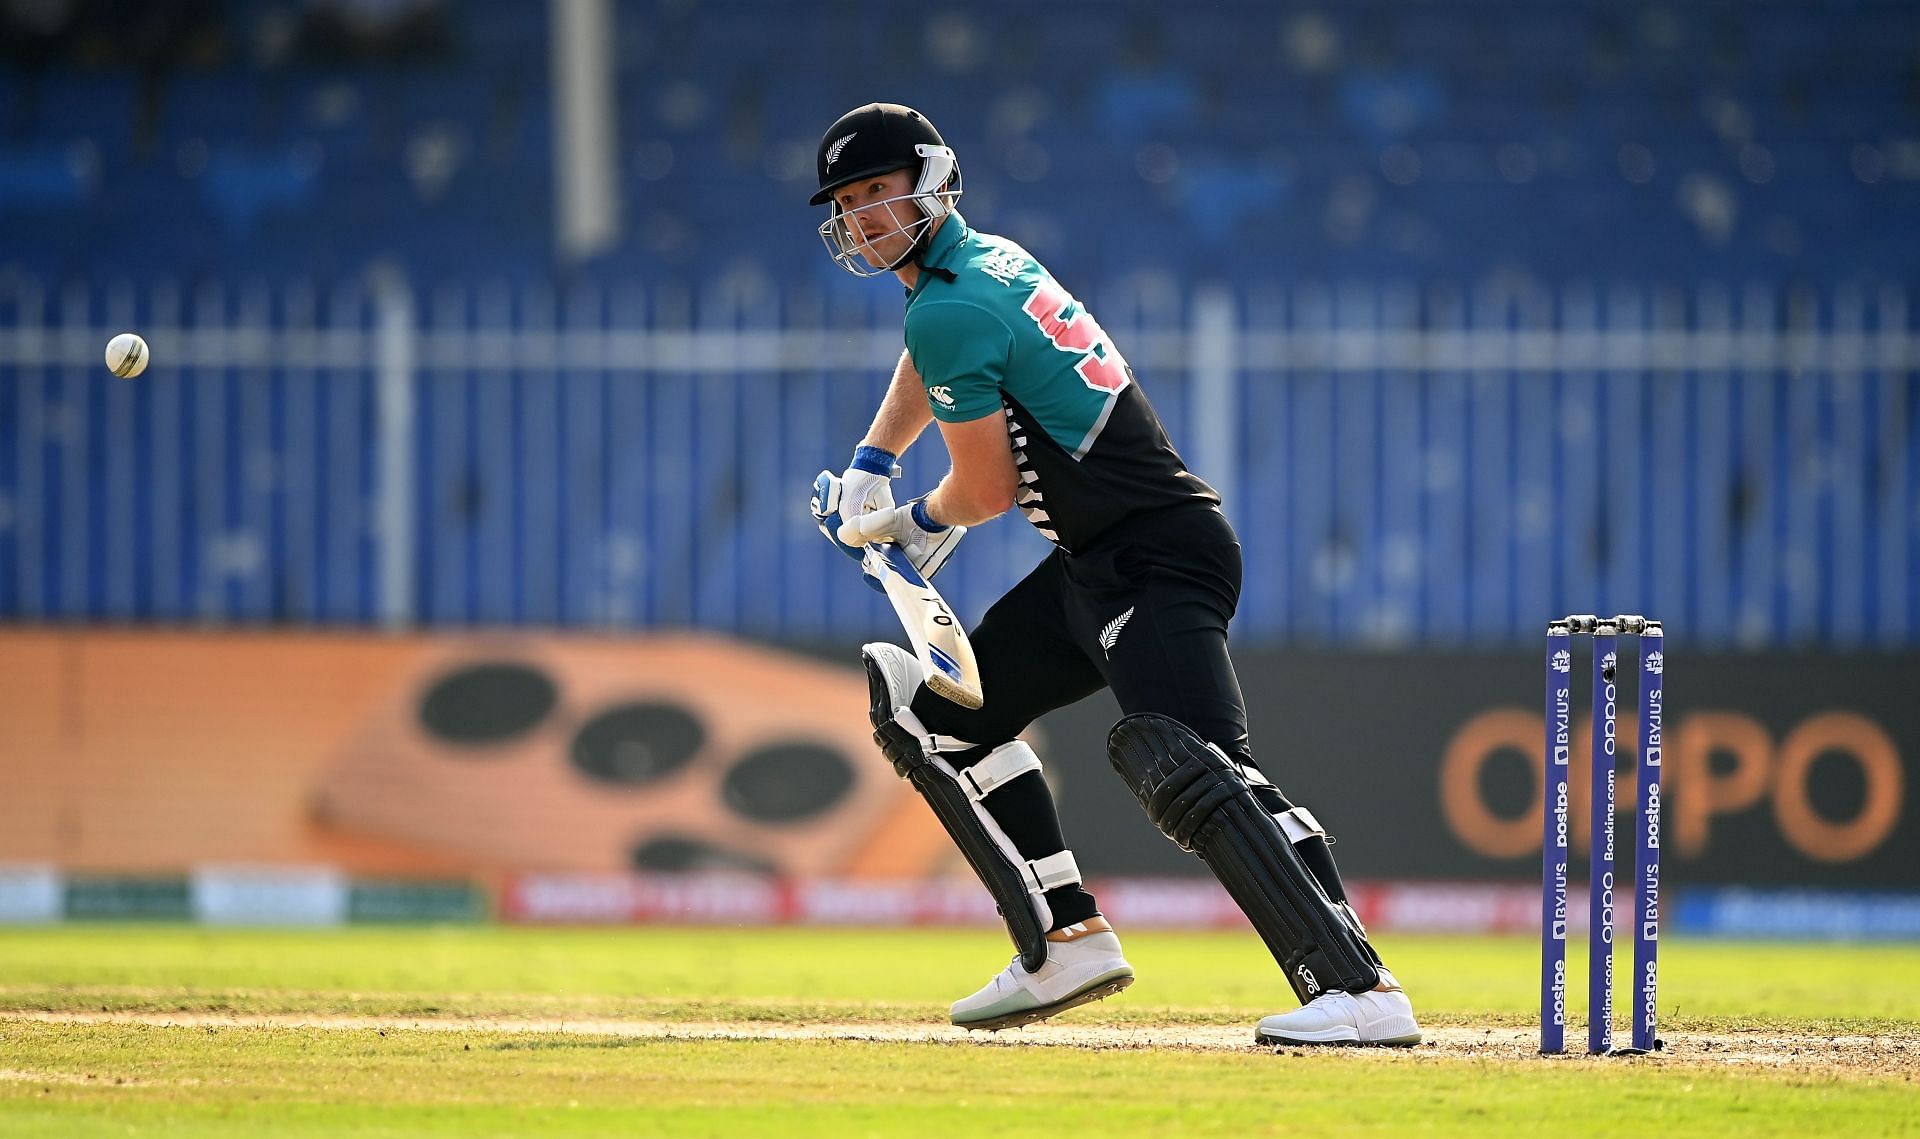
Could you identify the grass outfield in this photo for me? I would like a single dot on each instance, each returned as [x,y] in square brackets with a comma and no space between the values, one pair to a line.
[471,1031]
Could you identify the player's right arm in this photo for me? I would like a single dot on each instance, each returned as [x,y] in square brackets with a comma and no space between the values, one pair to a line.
[867,483]
[903,414]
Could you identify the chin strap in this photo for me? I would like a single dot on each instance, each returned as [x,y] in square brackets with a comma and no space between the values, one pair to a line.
[917,253]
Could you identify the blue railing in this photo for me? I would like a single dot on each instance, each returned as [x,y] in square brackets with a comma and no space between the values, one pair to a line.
[1404,466]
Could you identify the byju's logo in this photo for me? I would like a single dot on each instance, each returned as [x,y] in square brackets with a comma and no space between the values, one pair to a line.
[1562,661]
[1656,662]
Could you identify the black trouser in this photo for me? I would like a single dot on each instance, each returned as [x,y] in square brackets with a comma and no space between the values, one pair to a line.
[1144,613]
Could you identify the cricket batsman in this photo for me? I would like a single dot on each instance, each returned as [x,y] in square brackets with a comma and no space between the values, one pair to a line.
[1038,409]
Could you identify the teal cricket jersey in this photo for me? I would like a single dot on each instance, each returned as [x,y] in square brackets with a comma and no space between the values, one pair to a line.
[992,333]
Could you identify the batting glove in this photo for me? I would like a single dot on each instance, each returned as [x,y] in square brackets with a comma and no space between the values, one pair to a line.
[828,493]
[927,543]
[867,483]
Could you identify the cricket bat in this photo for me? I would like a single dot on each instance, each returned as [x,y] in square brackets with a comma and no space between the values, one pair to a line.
[942,645]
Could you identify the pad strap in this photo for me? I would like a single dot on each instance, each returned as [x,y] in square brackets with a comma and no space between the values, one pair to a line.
[1004,764]
[928,741]
[1052,872]
[1300,825]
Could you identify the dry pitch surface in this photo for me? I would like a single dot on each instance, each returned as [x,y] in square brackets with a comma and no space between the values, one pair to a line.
[1894,1053]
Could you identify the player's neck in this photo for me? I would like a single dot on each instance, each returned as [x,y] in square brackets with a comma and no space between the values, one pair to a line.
[909,273]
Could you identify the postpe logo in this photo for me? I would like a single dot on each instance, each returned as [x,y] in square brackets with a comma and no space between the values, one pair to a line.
[1560,993]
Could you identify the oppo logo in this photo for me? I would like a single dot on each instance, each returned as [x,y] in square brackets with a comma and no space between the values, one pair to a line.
[1715,763]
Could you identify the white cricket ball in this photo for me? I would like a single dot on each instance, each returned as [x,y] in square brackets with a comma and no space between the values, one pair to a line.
[127,355]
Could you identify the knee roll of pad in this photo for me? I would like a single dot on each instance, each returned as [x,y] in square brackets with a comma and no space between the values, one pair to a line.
[1201,800]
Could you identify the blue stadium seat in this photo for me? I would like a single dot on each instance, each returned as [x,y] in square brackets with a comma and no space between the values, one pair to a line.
[1182,133]
[100,108]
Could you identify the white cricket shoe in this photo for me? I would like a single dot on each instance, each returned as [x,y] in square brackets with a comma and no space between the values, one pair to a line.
[1077,972]
[1340,1017]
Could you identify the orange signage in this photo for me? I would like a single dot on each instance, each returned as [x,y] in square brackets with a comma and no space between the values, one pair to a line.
[1717,763]
[156,751]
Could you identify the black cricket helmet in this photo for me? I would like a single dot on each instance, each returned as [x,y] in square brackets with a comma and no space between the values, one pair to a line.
[877,139]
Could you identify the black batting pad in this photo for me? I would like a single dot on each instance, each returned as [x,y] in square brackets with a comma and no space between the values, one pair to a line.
[1200,800]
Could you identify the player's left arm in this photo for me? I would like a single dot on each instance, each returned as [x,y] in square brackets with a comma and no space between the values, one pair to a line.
[981,484]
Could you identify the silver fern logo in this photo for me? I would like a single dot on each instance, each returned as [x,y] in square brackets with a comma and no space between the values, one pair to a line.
[839,144]
[1111,633]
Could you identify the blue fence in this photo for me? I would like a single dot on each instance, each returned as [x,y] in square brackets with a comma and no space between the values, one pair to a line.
[1406,466]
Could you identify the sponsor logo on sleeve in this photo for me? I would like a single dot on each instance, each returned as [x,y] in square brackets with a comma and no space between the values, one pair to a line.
[1003,265]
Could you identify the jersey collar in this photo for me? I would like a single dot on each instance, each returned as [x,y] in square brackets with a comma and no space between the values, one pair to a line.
[942,250]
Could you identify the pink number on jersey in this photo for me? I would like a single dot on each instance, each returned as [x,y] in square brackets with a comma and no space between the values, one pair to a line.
[1102,369]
